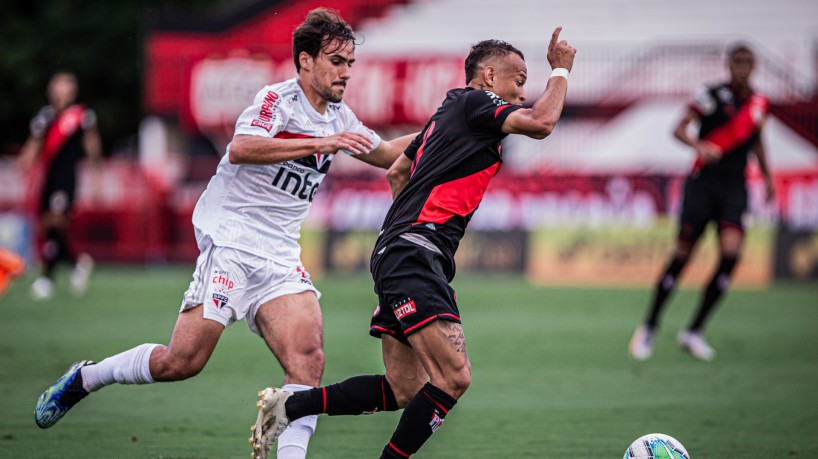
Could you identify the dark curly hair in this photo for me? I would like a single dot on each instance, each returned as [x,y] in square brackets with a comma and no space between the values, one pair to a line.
[318,30]
[485,50]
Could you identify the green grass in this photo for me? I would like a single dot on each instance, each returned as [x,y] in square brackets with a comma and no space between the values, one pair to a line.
[550,374]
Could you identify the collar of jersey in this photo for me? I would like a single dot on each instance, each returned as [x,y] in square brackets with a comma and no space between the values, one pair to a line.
[309,109]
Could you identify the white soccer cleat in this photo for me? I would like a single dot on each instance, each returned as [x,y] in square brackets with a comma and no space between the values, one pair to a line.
[695,343]
[81,274]
[641,345]
[42,289]
[271,421]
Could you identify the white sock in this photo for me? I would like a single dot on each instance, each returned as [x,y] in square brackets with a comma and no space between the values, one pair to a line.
[292,444]
[129,367]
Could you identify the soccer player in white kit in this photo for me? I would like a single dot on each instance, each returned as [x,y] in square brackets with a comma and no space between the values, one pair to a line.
[247,225]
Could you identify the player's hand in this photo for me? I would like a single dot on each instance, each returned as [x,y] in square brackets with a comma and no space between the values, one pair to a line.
[708,152]
[352,142]
[560,53]
[770,190]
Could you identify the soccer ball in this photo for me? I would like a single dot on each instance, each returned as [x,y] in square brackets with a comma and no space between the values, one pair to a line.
[656,446]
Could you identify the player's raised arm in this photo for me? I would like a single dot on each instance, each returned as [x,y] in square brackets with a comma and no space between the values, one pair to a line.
[539,120]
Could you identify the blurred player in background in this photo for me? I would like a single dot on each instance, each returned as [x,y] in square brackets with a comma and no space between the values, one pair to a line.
[731,116]
[438,184]
[62,134]
[247,225]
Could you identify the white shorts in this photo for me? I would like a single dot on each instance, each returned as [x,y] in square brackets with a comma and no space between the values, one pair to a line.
[232,284]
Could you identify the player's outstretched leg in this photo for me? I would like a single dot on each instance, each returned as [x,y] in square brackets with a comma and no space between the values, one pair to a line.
[271,422]
[61,396]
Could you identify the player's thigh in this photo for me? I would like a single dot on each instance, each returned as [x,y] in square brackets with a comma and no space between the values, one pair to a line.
[291,325]
[732,207]
[404,370]
[697,211]
[441,348]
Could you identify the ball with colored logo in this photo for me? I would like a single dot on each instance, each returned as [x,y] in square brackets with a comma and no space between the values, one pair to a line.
[656,446]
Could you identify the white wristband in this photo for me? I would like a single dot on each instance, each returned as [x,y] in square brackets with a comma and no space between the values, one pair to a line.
[559,72]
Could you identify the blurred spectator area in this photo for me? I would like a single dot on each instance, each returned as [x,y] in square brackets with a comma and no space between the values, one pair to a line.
[638,62]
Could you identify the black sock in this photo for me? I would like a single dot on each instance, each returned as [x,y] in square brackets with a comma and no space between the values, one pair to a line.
[421,418]
[51,252]
[358,395]
[665,286]
[714,291]
[65,252]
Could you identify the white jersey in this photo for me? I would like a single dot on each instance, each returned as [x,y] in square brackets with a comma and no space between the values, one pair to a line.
[260,208]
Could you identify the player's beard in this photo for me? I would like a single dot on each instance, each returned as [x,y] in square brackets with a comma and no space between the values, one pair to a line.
[332,94]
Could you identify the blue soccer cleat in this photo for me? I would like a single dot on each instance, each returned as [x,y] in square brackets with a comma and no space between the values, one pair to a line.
[61,396]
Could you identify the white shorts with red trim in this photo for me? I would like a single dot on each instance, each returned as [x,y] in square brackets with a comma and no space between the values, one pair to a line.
[232,284]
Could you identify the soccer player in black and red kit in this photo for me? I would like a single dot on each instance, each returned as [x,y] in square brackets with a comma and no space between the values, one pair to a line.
[62,134]
[731,116]
[437,184]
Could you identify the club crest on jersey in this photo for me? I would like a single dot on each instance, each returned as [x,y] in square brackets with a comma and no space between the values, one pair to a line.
[321,160]
[404,308]
[220,300]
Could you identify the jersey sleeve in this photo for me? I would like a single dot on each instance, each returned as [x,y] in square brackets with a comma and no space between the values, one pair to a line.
[703,102]
[414,145]
[265,118]
[40,122]
[352,124]
[487,110]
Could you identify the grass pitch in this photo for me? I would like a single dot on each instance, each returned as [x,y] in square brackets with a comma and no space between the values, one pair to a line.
[551,377]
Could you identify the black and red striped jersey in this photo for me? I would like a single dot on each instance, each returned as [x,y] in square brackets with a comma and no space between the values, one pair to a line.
[453,160]
[733,123]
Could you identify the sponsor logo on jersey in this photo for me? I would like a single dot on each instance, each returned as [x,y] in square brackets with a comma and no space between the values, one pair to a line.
[220,300]
[265,115]
[262,124]
[222,280]
[436,422]
[405,308]
[304,275]
[298,182]
[496,99]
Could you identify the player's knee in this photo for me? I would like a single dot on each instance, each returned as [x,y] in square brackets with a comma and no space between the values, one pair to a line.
[304,365]
[455,383]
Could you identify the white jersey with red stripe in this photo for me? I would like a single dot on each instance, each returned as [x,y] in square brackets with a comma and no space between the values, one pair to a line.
[260,208]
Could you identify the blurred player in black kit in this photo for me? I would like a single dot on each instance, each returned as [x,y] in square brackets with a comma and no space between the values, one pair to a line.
[438,184]
[731,116]
[62,134]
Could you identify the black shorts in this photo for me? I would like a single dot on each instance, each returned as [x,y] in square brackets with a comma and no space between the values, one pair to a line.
[57,194]
[705,202]
[413,290]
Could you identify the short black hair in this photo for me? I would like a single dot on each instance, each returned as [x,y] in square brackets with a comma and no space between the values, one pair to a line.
[738,48]
[485,50]
[319,29]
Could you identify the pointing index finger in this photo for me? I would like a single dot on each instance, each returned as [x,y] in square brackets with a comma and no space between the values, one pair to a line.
[555,37]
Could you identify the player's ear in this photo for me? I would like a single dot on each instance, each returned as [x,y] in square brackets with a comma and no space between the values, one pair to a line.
[489,74]
[305,60]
